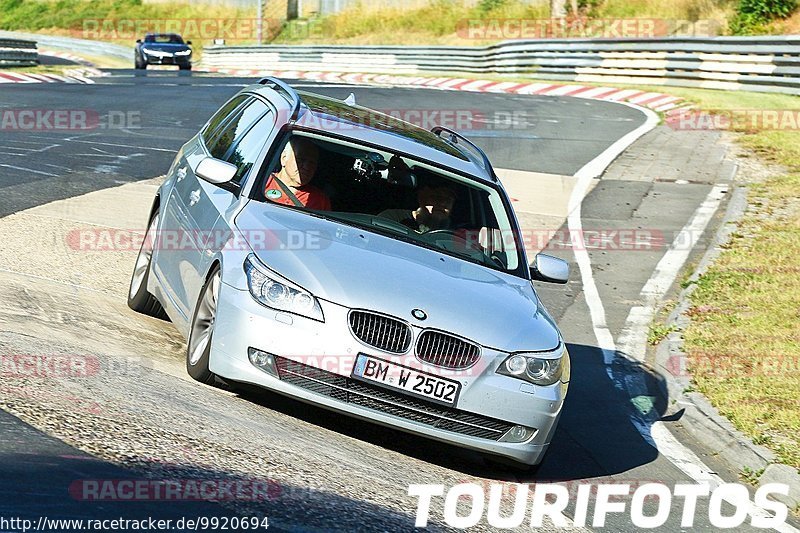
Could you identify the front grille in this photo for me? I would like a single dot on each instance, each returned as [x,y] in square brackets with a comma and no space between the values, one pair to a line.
[381,332]
[447,351]
[355,392]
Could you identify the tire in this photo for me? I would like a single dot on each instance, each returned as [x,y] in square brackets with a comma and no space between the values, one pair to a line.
[201,331]
[185,67]
[139,299]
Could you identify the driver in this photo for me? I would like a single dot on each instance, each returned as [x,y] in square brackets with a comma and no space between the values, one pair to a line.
[436,197]
[291,185]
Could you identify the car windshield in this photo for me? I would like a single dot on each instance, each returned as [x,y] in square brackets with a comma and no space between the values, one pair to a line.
[396,196]
[169,38]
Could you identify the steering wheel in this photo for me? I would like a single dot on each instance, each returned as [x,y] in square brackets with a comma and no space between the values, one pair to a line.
[453,234]
[471,245]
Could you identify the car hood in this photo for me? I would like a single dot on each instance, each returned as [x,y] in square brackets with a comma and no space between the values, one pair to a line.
[169,48]
[362,270]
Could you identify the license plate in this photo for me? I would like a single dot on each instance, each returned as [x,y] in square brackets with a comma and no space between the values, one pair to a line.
[408,380]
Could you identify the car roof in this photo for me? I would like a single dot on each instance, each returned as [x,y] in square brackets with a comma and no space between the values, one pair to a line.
[344,119]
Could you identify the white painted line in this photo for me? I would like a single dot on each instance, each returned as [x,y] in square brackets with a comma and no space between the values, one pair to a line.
[122,145]
[585,175]
[29,170]
[633,339]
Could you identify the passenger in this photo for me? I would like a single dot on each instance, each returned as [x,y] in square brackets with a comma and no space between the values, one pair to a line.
[291,185]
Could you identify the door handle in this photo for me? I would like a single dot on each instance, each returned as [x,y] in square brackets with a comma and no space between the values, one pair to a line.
[194,197]
[181,173]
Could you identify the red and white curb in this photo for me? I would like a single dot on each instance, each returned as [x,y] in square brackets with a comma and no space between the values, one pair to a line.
[81,74]
[66,55]
[660,102]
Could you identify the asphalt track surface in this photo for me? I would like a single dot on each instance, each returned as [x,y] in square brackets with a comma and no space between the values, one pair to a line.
[596,440]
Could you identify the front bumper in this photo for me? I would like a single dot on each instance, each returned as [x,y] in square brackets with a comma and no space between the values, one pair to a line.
[170,60]
[317,360]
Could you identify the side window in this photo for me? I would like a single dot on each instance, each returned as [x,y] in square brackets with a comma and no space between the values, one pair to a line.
[245,152]
[230,133]
[220,116]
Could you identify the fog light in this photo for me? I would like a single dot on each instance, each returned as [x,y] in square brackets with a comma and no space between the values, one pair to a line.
[518,434]
[263,361]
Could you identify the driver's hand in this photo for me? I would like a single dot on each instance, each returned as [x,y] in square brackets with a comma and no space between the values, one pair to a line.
[432,218]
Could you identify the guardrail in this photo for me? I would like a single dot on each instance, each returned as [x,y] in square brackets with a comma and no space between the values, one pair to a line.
[18,53]
[80,46]
[764,64]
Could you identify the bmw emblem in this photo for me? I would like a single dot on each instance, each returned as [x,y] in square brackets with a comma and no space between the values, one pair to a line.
[419,314]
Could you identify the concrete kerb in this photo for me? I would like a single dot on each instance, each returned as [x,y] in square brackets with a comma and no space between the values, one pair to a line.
[700,418]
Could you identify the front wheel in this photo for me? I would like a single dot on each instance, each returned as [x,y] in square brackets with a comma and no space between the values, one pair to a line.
[202,330]
[185,67]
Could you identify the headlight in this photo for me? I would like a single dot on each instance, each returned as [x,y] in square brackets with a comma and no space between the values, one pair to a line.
[151,52]
[534,368]
[183,53]
[276,292]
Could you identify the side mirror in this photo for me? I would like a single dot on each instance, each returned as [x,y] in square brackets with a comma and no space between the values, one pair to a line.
[139,41]
[188,42]
[215,171]
[550,269]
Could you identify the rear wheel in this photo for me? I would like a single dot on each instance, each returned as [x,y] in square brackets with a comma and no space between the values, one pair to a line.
[139,299]
[202,330]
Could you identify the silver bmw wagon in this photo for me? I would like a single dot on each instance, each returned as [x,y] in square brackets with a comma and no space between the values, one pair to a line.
[351,260]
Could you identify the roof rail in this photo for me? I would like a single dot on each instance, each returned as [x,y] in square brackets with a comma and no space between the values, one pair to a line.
[285,90]
[471,148]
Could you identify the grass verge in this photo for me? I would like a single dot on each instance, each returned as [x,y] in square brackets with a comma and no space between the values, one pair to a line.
[743,342]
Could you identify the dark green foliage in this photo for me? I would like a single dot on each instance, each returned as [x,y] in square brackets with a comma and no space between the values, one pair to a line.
[753,16]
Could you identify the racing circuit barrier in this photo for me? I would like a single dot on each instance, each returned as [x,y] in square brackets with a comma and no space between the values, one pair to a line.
[80,46]
[763,64]
[18,53]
